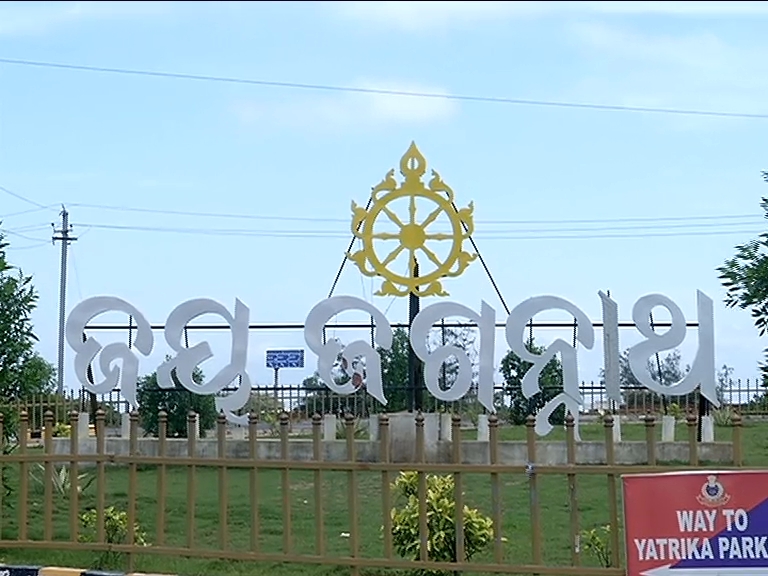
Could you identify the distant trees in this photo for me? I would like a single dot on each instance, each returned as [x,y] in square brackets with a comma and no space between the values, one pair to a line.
[23,372]
[513,369]
[394,371]
[176,402]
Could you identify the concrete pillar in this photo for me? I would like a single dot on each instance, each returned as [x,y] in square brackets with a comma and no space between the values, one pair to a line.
[616,428]
[707,429]
[83,425]
[373,428]
[329,427]
[668,428]
[125,425]
[402,431]
[483,432]
[446,422]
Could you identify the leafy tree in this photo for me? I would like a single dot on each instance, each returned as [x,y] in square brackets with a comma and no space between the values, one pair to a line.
[745,276]
[176,402]
[23,372]
[513,369]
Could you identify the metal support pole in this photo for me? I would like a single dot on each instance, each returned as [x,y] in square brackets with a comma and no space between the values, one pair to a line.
[414,365]
[277,371]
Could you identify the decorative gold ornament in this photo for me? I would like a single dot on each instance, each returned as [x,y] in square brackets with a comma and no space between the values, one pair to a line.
[413,235]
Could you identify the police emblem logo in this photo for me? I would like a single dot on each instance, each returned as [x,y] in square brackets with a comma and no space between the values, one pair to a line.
[712,493]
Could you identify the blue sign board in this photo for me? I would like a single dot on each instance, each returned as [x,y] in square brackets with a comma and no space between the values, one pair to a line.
[285,359]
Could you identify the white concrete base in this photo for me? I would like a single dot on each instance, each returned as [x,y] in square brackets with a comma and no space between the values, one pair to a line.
[617,428]
[329,427]
[483,431]
[707,429]
[125,425]
[446,424]
[83,425]
[668,428]
[237,432]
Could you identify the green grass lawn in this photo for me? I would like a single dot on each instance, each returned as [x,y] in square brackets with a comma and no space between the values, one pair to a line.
[592,498]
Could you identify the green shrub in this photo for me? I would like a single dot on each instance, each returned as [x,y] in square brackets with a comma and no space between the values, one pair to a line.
[359,430]
[722,416]
[62,479]
[441,507]
[115,532]
[597,543]
[676,411]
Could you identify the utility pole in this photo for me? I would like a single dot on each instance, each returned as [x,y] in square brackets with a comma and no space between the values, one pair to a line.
[62,235]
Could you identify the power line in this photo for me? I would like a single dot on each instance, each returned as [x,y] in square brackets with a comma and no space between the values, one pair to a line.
[482,234]
[336,235]
[354,89]
[21,235]
[26,211]
[23,199]
[241,216]
[209,214]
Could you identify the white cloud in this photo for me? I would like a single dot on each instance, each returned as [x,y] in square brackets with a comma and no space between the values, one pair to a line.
[25,18]
[353,110]
[414,16]
[693,71]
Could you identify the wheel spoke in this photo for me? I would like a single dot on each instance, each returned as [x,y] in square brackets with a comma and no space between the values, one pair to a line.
[412,209]
[392,216]
[439,236]
[432,256]
[432,217]
[392,255]
[385,236]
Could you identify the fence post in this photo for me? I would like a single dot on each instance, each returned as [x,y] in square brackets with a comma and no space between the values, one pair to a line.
[650,438]
[192,427]
[162,434]
[133,452]
[693,448]
[253,421]
[570,441]
[286,484]
[533,488]
[423,528]
[354,528]
[493,435]
[74,488]
[386,500]
[317,453]
[221,438]
[48,478]
[613,500]
[738,455]
[24,475]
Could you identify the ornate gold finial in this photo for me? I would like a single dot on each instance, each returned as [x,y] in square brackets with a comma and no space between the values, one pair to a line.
[412,235]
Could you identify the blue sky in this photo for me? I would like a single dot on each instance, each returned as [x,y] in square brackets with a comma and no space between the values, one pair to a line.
[533,172]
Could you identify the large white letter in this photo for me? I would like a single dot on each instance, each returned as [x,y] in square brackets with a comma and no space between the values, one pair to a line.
[327,353]
[86,351]
[515,331]
[703,370]
[611,347]
[486,321]
[187,359]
